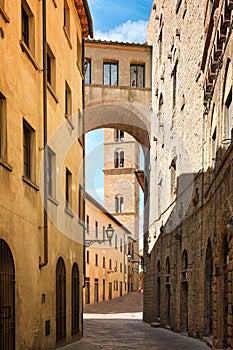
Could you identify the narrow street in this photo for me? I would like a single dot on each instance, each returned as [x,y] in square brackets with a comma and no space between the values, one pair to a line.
[117,324]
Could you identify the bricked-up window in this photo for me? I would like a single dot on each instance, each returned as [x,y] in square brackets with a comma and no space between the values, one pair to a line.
[119,204]
[28,26]
[228,117]
[119,159]
[68,101]
[118,135]
[51,177]
[137,75]
[96,229]
[3,128]
[28,151]
[68,189]
[174,88]
[111,73]
[88,71]
[66,18]
[51,68]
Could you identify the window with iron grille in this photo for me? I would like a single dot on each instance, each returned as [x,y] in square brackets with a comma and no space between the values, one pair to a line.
[60,300]
[3,128]
[137,75]
[88,71]
[28,151]
[111,73]
[75,299]
[51,177]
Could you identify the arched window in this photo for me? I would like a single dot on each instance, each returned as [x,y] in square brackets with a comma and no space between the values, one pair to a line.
[119,203]
[119,135]
[75,299]
[119,159]
[60,300]
[7,297]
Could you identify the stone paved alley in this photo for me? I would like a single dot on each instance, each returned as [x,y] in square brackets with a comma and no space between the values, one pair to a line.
[117,324]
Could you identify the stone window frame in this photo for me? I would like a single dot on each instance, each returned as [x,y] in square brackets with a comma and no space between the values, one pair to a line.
[29,152]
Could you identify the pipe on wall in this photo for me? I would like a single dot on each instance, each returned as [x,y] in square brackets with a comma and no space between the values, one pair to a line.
[45,132]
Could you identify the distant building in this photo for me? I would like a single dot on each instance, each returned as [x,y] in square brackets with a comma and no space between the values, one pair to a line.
[106,260]
[120,72]
[41,251]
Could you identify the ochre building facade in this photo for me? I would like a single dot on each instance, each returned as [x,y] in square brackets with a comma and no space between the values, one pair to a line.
[41,172]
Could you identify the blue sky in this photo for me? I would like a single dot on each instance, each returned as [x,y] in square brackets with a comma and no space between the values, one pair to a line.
[120,20]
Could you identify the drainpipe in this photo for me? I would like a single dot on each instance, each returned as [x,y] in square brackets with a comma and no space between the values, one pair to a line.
[45,227]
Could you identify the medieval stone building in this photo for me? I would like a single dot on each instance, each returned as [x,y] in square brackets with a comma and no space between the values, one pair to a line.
[41,172]
[188,248]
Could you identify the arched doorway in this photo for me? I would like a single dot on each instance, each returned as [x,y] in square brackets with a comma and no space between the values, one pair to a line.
[60,300]
[168,293]
[75,299]
[7,298]
[184,293]
[158,291]
[208,290]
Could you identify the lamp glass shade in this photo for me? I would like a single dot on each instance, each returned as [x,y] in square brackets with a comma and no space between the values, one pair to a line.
[109,231]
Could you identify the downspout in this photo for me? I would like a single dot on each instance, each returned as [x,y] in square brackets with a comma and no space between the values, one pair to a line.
[83,128]
[45,227]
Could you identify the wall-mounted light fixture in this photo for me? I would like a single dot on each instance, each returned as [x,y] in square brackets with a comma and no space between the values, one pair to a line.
[109,233]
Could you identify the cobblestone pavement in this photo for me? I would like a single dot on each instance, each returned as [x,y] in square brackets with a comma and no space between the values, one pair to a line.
[117,324]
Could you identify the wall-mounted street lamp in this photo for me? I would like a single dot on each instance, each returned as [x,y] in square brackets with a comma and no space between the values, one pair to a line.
[109,233]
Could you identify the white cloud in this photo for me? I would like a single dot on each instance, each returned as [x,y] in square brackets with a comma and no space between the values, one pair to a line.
[132,32]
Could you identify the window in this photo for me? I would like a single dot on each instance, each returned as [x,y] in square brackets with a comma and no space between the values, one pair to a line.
[66,18]
[96,260]
[228,117]
[60,300]
[79,52]
[214,146]
[88,257]
[51,174]
[120,267]
[104,262]
[28,151]
[115,241]
[81,204]
[174,74]
[88,71]
[160,44]
[173,175]
[121,242]
[68,189]
[110,73]
[75,299]
[110,264]
[119,159]
[103,232]
[2,3]
[88,224]
[115,285]
[119,204]
[28,26]
[3,128]
[137,75]
[96,229]
[118,135]
[68,101]
[51,68]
